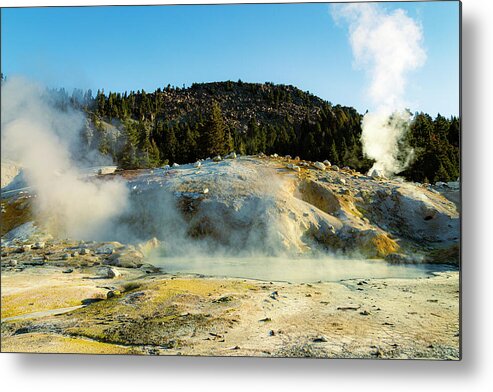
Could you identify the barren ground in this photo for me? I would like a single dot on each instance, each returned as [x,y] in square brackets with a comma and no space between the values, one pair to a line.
[173,314]
[57,297]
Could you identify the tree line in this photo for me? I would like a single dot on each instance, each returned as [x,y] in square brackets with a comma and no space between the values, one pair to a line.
[149,139]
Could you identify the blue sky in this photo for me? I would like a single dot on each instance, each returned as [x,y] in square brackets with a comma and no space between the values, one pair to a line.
[130,48]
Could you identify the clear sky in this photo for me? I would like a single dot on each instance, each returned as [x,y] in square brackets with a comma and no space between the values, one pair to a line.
[130,48]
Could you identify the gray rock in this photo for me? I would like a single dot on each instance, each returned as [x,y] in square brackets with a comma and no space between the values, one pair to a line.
[149,268]
[107,273]
[376,174]
[274,295]
[129,258]
[39,245]
[108,249]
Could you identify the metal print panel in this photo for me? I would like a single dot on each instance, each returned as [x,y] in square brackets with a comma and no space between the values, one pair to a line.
[270,180]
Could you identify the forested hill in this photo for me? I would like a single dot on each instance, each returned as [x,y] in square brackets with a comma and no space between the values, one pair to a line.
[141,129]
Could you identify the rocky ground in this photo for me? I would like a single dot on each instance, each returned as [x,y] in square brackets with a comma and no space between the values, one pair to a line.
[75,308]
[63,295]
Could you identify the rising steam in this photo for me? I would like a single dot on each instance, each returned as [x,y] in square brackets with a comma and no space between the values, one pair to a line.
[387,45]
[44,139]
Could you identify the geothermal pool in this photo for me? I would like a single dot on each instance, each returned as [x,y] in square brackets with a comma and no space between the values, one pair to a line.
[300,270]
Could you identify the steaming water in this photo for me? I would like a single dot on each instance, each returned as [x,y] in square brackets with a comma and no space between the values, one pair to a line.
[296,270]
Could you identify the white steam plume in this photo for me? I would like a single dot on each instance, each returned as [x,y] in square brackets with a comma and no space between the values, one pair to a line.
[43,139]
[387,45]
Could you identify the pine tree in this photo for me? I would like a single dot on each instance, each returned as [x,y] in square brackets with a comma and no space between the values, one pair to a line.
[128,158]
[334,155]
[441,174]
[213,133]
[100,102]
[228,143]
[104,144]
[170,144]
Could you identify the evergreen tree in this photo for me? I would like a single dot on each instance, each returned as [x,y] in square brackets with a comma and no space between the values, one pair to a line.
[213,133]
[334,155]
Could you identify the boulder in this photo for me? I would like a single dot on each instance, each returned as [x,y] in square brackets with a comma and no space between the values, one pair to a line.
[176,165]
[39,245]
[335,168]
[127,259]
[108,273]
[290,166]
[327,163]
[231,156]
[217,158]
[107,170]
[198,164]
[108,249]
[376,173]
[319,165]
